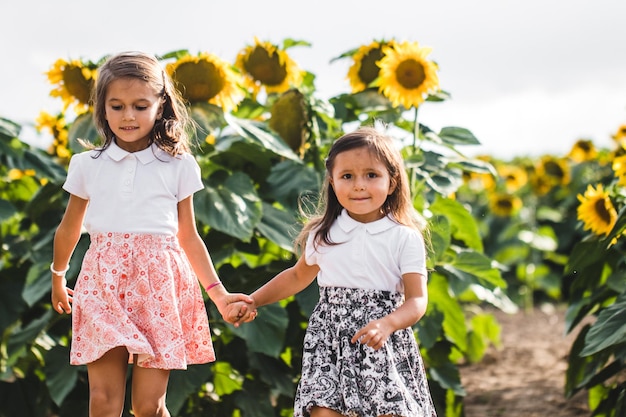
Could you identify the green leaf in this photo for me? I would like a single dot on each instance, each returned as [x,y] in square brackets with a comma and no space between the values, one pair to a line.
[7,210]
[266,334]
[448,376]
[254,402]
[226,379]
[11,303]
[289,180]
[278,226]
[274,372]
[9,129]
[37,284]
[473,267]
[61,377]
[183,383]
[609,330]
[430,327]
[439,298]
[261,136]
[83,128]
[440,237]
[208,117]
[458,136]
[231,206]
[464,226]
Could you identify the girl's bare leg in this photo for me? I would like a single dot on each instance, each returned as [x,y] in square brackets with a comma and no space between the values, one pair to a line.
[324,412]
[148,392]
[107,383]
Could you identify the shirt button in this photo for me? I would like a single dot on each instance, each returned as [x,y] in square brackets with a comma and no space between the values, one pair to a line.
[127,182]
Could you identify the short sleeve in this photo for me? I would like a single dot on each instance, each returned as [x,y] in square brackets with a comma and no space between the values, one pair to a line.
[413,254]
[310,254]
[190,179]
[75,180]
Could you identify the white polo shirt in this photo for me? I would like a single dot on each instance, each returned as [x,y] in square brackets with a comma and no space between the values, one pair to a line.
[369,255]
[132,192]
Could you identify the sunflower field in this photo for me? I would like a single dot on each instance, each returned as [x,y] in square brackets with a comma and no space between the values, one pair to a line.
[503,234]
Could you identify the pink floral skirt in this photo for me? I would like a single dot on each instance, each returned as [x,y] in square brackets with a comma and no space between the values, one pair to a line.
[139,291]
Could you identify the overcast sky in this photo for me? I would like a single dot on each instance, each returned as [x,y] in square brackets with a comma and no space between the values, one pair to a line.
[527,77]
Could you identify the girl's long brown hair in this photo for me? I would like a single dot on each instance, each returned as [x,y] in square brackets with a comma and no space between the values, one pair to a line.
[173,130]
[398,204]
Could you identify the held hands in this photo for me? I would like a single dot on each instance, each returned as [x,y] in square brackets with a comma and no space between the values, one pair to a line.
[61,295]
[374,334]
[237,308]
[241,312]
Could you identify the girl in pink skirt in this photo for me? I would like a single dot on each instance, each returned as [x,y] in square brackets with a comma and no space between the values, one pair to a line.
[137,298]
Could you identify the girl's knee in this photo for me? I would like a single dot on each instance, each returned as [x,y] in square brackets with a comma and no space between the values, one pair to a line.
[103,402]
[150,408]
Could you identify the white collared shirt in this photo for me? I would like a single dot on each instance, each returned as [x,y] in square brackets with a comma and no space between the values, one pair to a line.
[132,192]
[369,255]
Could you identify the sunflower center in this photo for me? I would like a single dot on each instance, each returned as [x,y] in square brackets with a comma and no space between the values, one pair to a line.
[410,74]
[76,84]
[265,68]
[369,69]
[554,169]
[202,80]
[601,211]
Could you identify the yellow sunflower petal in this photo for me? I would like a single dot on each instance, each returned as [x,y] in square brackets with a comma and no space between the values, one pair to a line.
[406,75]
[596,210]
[206,77]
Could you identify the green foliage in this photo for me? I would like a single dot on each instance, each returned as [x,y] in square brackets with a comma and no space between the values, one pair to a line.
[247,215]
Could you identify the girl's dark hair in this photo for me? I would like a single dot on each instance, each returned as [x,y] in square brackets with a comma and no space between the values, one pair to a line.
[173,130]
[398,204]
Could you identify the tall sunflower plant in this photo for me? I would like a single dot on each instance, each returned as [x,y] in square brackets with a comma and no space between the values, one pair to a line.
[262,160]
[597,303]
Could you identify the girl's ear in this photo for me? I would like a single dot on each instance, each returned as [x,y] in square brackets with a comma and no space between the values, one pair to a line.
[392,186]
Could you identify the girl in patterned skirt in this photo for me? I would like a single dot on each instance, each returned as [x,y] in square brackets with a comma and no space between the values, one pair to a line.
[368,253]
[137,297]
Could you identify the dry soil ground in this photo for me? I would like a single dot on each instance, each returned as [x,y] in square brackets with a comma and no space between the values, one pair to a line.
[525,377]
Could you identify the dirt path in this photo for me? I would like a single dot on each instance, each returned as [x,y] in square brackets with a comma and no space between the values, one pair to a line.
[526,376]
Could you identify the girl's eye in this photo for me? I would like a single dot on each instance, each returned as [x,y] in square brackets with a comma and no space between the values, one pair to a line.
[116,107]
[142,108]
[346,176]
[371,175]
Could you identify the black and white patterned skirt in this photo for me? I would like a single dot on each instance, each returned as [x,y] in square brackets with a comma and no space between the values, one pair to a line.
[354,379]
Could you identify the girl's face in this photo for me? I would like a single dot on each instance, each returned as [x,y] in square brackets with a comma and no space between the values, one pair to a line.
[361,183]
[131,109]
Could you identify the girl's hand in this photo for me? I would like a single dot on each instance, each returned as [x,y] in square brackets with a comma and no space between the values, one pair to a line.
[61,296]
[234,308]
[240,312]
[374,334]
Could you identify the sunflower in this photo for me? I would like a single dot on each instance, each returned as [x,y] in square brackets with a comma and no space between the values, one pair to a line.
[596,210]
[514,177]
[620,135]
[504,205]
[365,69]
[556,170]
[582,151]
[73,80]
[406,76]
[264,65]
[619,167]
[206,78]
[15,174]
[58,128]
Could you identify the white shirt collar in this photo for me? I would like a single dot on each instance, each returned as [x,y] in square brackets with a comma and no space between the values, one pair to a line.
[144,156]
[347,223]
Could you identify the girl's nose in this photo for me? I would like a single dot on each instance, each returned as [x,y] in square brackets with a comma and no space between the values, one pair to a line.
[359,185]
[129,115]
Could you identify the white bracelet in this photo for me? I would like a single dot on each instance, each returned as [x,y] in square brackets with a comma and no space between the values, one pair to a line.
[59,273]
